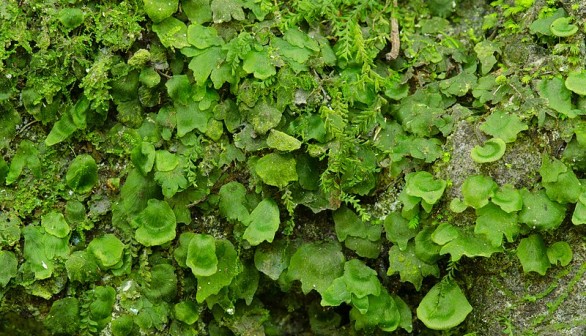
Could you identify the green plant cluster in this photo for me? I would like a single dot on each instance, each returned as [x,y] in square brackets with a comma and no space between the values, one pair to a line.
[186,167]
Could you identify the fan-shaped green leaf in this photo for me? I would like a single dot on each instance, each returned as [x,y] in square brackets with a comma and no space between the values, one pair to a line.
[260,64]
[409,267]
[539,212]
[560,252]
[444,306]
[159,10]
[282,141]
[8,265]
[107,250]
[576,82]
[422,184]
[82,174]
[316,265]
[508,198]
[533,254]
[201,255]
[233,201]
[503,126]
[54,223]
[228,267]
[493,223]
[492,150]
[263,223]
[563,27]
[277,169]
[156,224]
[477,190]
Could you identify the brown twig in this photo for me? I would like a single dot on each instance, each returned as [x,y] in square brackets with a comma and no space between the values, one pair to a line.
[394,38]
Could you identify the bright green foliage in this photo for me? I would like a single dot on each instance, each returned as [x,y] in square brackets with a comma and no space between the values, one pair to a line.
[282,141]
[158,10]
[123,325]
[171,32]
[382,313]
[533,254]
[398,230]
[409,266]
[263,223]
[358,281]
[143,157]
[503,126]
[565,189]
[263,117]
[41,251]
[444,306]
[201,255]
[186,311]
[232,203]
[225,10]
[234,113]
[426,248]
[163,283]
[485,51]
[63,317]
[579,215]
[71,17]
[27,155]
[81,266]
[542,26]
[107,250]
[277,169]
[422,187]
[102,303]
[539,212]
[203,37]
[556,94]
[477,190]
[559,252]
[54,223]
[492,150]
[228,268]
[563,28]
[8,265]
[156,224]
[458,243]
[9,230]
[273,259]
[493,223]
[508,198]
[576,82]
[260,65]
[316,265]
[82,174]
